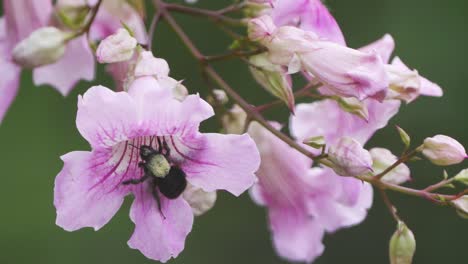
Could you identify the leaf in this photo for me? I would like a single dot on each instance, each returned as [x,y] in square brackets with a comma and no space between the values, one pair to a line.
[405,138]
[315,142]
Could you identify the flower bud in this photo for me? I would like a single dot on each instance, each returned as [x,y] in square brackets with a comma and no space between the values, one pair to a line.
[117,47]
[349,158]
[443,150]
[462,177]
[382,159]
[461,205]
[44,46]
[273,79]
[199,200]
[261,28]
[354,106]
[234,120]
[402,245]
[148,65]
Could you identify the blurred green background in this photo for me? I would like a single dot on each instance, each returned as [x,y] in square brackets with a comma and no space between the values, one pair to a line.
[431,36]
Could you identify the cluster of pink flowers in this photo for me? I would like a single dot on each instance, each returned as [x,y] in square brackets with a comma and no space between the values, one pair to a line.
[145,140]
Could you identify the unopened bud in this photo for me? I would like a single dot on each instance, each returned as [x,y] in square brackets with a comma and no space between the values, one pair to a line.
[273,79]
[234,120]
[44,46]
[199,200]
[402,245]
[461,205]
[354,106]
[148,65]
[218,97]
[382,159]
[349,158]
[462,177]
[261,28]
[117,47]
[443,150]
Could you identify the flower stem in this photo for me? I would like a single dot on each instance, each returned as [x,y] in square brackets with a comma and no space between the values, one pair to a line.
[404,158]
[390,206]
[213,15]
[438,198]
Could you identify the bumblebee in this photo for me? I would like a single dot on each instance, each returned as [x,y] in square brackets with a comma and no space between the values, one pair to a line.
[169,179]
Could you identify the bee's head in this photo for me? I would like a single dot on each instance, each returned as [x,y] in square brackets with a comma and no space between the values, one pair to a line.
[146,151]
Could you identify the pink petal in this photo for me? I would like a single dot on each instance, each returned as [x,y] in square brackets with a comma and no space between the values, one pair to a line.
[311,15]
[158,238]
[225,162]
[81,199]
[283,170]
[24,16]
[427,88]
[325,118]
[76,64]
[9,83]
[162,114]
[383,46]
[343,201]
[296,236]
[105,117]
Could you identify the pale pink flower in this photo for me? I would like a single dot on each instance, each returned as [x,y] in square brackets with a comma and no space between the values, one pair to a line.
[443,150]
[346,72]
[78,62]
[89,190]
[22,17]
[302,202]
[404,83]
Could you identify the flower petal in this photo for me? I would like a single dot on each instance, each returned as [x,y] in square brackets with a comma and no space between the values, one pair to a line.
[325,118]
[340,202]
[161,114]
[313,16]
[157,237]
[296,236]
[77,63]
[105,117]
[9,83]
[383,46]
[222,162]
[81,199]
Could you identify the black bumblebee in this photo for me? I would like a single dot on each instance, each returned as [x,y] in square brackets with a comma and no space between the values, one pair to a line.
[170,179]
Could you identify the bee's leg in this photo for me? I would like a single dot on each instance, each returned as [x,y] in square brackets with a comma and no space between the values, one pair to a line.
[160,147]
[166,147]
[158,200]
[136,181]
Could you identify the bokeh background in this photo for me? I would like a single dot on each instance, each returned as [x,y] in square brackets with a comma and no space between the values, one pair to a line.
[40,126]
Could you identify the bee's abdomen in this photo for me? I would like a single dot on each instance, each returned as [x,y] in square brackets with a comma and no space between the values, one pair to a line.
[173,184]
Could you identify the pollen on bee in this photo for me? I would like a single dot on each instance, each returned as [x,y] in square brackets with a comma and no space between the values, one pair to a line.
[159,166]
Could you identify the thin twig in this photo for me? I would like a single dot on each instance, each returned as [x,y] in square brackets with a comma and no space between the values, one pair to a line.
[390,206]
[152,29]
[213,15]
